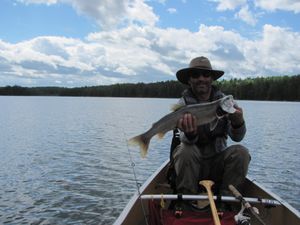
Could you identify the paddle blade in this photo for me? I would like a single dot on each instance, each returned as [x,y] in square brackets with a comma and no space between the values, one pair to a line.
[206,183]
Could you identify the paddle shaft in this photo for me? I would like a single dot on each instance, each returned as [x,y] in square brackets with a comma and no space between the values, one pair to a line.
[207,184]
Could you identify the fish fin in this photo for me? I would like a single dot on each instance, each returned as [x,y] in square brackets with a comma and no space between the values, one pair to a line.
[160,135]
[213,124]
[176,107]
[142,142]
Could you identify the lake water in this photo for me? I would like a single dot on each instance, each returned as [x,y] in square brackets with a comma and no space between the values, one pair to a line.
[65,160]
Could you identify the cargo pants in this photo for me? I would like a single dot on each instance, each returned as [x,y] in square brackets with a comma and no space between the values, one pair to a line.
[229,166]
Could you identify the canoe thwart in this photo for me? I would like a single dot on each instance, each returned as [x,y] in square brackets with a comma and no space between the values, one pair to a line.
[267,202]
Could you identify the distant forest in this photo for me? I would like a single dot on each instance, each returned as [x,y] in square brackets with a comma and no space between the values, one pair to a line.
[282,88]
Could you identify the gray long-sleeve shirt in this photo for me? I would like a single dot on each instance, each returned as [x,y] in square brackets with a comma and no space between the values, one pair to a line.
[210,142]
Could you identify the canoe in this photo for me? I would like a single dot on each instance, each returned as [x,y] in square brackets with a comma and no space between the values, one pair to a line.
[272,209]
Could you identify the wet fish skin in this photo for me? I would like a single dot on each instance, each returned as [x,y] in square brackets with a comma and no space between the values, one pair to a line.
[204,112]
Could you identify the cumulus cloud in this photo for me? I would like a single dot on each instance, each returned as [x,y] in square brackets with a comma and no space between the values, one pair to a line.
[143,52]
[148,54]
[288,5]
[109,13]
[278,52]
[229,4]
[141,12]
[246,15]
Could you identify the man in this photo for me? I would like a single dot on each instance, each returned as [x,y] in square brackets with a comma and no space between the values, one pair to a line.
[203,153]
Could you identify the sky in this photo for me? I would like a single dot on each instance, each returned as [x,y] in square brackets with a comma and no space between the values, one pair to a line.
[75,43]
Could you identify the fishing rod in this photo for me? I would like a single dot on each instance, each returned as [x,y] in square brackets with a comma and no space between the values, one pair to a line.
[138,185]
[245,203]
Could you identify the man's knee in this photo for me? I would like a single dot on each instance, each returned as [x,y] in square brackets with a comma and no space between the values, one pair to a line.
[240,152]
[238,155]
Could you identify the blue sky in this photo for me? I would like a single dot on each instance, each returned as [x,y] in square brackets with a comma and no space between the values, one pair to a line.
[75,43]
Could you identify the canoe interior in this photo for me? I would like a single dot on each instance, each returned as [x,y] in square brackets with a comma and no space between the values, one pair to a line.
[279,215]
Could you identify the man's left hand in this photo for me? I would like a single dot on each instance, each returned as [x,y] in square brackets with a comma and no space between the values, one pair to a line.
[237,118]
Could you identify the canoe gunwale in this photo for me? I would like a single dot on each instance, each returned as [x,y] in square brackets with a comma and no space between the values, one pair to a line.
[275,196]
[136,196]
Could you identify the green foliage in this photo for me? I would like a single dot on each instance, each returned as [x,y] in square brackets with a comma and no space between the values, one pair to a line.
[282,88]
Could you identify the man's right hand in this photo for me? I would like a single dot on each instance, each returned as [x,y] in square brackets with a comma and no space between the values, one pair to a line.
[188,124]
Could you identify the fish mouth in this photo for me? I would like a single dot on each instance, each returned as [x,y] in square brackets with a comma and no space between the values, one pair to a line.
[227,104]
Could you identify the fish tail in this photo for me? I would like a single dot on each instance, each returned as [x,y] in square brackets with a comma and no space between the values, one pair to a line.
[142,141]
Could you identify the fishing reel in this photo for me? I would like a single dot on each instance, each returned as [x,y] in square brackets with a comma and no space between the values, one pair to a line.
[242,218]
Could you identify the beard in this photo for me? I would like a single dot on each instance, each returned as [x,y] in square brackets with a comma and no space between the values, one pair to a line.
[201,87]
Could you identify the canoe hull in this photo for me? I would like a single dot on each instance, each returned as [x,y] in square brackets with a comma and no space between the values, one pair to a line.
[136,208]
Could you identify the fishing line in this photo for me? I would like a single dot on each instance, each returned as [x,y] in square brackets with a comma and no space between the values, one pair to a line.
[138,185]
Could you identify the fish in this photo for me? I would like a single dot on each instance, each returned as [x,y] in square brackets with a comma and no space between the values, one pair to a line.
[205,113]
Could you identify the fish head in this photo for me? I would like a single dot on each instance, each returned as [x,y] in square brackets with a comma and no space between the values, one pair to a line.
[227,104]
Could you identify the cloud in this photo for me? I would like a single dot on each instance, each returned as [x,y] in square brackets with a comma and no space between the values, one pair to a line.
[229,4]
[109,13]
[277,50]
[142,52]
[244,13]
[141,12]
[172,10]
[148,54]
[36,62]
[247,16]
[287,5]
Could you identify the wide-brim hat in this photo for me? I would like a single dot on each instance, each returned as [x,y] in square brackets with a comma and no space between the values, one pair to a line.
[199,64]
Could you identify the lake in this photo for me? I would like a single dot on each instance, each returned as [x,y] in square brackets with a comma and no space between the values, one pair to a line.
[64,160]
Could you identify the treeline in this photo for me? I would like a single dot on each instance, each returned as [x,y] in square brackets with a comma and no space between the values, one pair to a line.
[282,88]
[166,89]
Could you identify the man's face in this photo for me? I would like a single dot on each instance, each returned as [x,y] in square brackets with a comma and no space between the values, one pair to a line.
[200,82]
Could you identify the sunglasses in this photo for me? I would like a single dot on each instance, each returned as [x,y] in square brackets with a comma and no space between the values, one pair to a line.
[205,74]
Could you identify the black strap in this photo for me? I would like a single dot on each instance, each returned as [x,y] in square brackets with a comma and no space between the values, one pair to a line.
[179,197]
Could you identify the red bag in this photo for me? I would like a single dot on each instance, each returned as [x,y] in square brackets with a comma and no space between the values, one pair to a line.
[159,216]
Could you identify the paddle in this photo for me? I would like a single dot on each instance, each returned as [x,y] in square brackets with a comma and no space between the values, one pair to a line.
[207,184]
[246,204]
